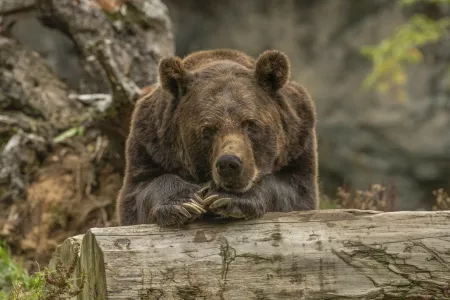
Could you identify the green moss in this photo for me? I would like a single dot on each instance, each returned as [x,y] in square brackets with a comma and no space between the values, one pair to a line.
[15,282]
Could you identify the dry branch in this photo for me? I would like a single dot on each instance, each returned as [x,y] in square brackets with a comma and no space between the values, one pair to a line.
[331,254]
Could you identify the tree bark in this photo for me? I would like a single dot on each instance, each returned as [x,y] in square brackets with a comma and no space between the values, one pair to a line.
[330,254]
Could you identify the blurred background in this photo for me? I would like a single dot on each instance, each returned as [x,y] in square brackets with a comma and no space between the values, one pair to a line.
[378,71]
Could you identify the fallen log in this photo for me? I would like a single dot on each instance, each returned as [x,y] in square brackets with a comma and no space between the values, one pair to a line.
[329,254]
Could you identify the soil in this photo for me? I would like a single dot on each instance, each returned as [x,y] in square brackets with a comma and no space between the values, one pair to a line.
[75,189]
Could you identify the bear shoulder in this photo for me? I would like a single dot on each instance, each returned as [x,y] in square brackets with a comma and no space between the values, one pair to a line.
[150,132]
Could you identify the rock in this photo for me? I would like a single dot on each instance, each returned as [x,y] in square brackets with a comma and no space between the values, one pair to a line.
[71,71]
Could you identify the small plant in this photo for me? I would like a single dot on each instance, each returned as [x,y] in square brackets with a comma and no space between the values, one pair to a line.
[442,200]
[378,197]
[393,54]
[16,284]
[12,272]
[59,284]
[31,289]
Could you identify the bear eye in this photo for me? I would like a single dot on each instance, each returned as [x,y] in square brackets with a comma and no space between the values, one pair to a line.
[251,127]
[207,133]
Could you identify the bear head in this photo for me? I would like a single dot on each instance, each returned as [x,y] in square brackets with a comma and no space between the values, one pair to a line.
[230,116]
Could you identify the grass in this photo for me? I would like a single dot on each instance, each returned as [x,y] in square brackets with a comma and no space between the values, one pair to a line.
[17,284]
[13,276]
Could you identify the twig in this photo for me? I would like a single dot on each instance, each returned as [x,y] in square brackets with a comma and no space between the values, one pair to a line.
[99,101]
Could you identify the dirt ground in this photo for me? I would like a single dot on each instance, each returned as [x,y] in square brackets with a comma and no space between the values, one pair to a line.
[75,189]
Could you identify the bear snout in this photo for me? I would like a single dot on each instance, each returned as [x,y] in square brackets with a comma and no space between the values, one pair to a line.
[233,166]
[229,166]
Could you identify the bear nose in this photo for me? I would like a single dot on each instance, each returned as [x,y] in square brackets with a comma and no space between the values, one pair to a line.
[228,165]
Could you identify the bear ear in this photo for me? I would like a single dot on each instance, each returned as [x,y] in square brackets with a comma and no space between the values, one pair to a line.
[173,77]
[272,70]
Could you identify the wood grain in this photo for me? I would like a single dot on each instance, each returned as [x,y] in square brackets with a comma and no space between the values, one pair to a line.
[330,254]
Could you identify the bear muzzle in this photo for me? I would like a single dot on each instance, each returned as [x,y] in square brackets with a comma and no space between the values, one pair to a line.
[231,175]
[233,166]
[229,166]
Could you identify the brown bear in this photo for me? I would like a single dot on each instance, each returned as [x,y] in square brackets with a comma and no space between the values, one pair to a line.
[221,134]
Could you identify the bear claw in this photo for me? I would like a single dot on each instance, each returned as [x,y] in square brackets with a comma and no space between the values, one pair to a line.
[237,214]
[210,199]
[220,203]
[197,198]
[226,208]
[183,211]
[203,189]
[194,207]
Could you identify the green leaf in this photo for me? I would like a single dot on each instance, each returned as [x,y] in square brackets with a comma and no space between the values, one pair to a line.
[69,133]
[393,55]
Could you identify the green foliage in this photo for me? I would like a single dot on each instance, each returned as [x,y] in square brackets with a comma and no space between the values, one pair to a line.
[391,57]
[13,275]
[17,284]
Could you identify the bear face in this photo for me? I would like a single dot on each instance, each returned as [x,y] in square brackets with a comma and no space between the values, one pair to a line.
[229,121]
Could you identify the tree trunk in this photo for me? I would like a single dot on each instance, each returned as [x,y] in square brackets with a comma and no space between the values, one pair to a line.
[330,254]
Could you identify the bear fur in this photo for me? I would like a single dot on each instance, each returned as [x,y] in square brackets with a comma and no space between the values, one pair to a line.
[221,134]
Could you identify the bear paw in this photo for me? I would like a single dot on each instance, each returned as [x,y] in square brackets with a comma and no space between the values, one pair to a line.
[179,213]
[232,206]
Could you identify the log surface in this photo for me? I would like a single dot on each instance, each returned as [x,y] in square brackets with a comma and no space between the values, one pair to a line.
[331,254]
